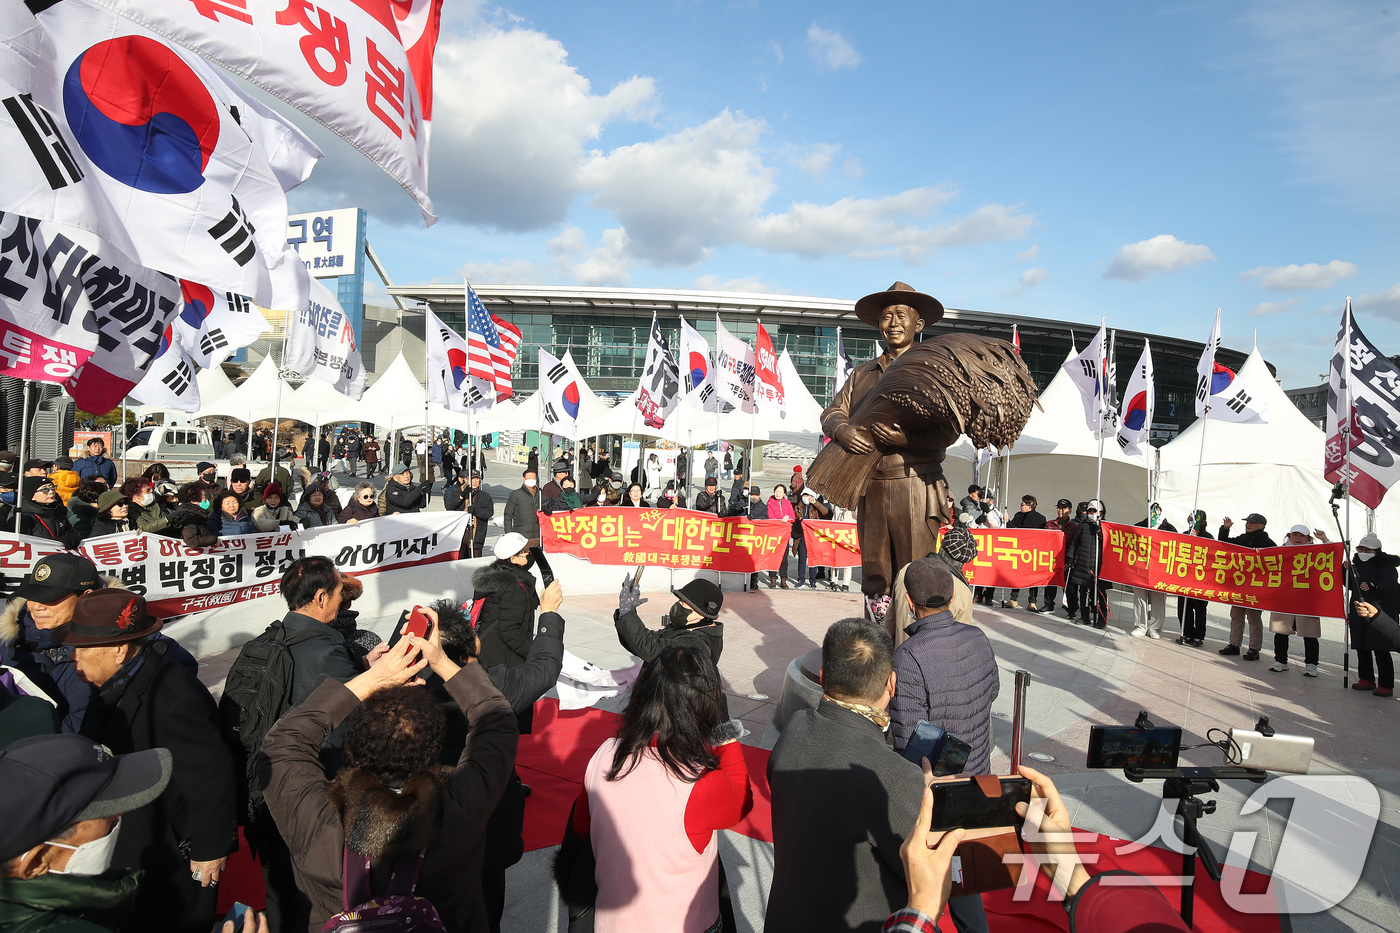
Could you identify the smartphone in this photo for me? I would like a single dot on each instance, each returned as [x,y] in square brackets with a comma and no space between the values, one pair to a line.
[947,754]
[953,758]
[1127,747]
[962,805]
[418,623]
[235,915]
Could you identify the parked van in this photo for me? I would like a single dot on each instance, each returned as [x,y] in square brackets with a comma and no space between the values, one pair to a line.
[171,442]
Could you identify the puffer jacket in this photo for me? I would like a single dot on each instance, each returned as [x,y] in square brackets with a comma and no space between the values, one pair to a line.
[506,625]
[946,673]
[66,483]
[1084,552]
[48,521]
[1381,575]
[192,526]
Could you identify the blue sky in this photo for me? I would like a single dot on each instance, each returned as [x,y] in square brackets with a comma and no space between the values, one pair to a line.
[1138,162]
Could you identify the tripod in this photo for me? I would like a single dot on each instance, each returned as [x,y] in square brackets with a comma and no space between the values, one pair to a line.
[1185,785]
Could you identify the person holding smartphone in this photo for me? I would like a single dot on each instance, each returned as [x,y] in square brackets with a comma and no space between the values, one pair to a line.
[1372,590]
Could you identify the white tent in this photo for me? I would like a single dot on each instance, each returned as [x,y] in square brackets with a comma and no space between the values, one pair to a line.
[254,400]
[394,401]
[1274,469]
[213,385]
[802,424]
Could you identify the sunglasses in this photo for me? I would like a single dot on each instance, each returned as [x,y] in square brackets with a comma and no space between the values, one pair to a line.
[367,498]
[47,489]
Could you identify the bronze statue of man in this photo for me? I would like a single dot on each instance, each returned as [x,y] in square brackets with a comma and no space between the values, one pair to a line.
[894,419]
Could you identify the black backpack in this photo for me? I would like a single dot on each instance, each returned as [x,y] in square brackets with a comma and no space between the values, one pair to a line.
[257,692]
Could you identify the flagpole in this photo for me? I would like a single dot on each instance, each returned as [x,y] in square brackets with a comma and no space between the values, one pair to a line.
[277,413]
[1346,439]
[123,438]
[23,441]
[753,416]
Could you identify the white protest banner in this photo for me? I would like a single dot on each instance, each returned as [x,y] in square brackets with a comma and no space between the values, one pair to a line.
[77,312]
[734,369]
[109,129]
[177,580]
[362,69]
[321,343]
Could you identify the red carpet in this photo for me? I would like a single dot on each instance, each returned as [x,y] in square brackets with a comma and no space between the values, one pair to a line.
[553,760]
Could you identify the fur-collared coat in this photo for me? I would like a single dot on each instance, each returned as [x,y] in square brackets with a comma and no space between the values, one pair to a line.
[317,818]
[506,625]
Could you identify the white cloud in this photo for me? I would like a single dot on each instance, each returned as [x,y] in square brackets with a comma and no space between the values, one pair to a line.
[1265,308]
[751,284]
[815,159]
[830,49]
[777,49]
[1310,277]
[1332,66]
[577,261]
[1162,253]
[1033,277]
[1386,303]
[852,168]
[501,272]
[1029,254]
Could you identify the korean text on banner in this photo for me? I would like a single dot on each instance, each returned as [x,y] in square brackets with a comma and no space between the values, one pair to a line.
[676,538]
[831,544]
[1304,580]
[189,191]
[362,69]
[1017,557]
[76,312]
[321,344]
[177,580]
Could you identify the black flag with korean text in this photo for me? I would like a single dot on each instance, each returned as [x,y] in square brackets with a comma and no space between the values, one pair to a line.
[1363,374]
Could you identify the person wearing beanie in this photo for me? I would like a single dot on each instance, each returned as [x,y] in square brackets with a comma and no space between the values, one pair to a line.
[401,494]
[42,515]
[956,549]
[189,519]
[947,674]
[274,512]
[240,483]
[757,509]
[1373,590]
[1084,559]
[65,478]
[1255,537]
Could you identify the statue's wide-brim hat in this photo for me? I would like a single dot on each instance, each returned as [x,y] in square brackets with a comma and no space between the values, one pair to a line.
[868,308]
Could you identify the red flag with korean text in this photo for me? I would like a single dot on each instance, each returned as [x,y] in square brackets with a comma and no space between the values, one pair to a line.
[768,388]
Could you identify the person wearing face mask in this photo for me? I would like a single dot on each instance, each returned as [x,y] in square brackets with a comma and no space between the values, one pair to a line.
[42,515]
[691,622]
[1084,558]
[1372,590]
[566,500]
[64,798]
[506,587]
[780,508]
[146,700]
[1192,612]
[521,513]
[189,519]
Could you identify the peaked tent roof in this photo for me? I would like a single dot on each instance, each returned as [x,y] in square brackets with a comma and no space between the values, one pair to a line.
[315,401]
[395,400]
[254,400]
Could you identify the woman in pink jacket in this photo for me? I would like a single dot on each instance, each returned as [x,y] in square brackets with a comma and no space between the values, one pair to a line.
[779,507]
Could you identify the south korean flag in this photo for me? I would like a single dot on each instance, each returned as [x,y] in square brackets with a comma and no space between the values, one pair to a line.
[1220,394]
[170,382]
[215,325]
[559,396]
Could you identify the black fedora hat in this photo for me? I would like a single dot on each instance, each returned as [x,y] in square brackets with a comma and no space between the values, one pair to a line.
[868,308]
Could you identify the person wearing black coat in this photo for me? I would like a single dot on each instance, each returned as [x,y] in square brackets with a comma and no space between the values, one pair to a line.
[147,700]
[1372,590]
[506,587]
[402,495]
[1254,537]
[692,621]
[1084,558]
[1150,606]
[1192,612]
[43,515]
[1027,517]
[189,519]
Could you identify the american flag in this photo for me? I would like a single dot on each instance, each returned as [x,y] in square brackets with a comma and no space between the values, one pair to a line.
[491,346]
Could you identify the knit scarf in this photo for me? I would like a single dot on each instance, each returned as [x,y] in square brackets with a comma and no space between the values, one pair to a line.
[874,714]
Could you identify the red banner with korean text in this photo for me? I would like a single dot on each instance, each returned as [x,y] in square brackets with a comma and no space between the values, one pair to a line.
[666,538]
[831,544]
[1303,580]
[1017,557]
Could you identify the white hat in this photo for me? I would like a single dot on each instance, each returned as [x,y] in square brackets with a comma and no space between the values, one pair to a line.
[1300,530]
[1096,505]
[510,544]
[1371,540]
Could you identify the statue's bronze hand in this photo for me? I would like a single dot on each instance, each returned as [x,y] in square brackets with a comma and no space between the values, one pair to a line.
[891,435]
[854,439]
